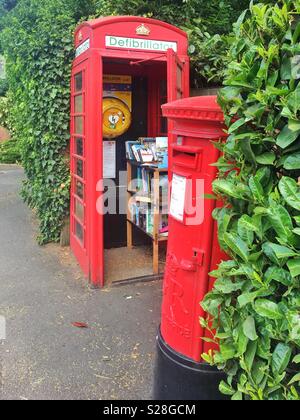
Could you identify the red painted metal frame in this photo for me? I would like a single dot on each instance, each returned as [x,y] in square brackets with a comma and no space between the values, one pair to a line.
[93,61]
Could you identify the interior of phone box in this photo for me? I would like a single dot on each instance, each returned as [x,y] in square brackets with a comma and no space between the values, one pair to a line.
[149,92]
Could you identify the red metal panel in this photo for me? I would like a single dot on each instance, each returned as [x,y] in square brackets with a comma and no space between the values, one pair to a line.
[196,122]
[95,168]
[217,257]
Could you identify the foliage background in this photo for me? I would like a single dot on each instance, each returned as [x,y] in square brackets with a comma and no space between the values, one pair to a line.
[37,40]
[256,298]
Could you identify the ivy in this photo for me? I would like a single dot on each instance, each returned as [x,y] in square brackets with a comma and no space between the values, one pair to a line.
[257,292]
[38,46]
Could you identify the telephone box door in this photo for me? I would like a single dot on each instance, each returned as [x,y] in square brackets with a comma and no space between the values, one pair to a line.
[79,220]
[178,88]
[178,77]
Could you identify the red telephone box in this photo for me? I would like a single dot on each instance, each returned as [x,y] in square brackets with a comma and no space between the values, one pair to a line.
[153,56]
[193,250]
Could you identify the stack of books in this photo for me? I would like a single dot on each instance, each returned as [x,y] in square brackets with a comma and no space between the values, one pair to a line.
[142,216]
[148,151]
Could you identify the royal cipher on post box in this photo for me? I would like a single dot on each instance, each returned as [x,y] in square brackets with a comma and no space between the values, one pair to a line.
[125,68]
[193,249]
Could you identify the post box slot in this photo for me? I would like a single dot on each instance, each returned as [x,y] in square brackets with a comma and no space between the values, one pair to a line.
[186,156]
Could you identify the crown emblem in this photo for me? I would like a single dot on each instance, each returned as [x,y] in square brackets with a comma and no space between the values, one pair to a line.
[143,30]
[80,36]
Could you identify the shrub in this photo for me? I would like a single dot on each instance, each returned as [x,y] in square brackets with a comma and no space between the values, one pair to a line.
[4,112]
[257,292]
[9,152]
[38,44]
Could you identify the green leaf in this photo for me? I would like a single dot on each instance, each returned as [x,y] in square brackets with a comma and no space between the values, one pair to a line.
[250,355]
[287,137]
[236,125]
[258,371]
[294,267]
[295,379]
[247,298]
[250,329]
[238,396]
[227,286]
[252,224]
[292,162]
[237,245]
[281,358]
[290,191]
[268,309]
[281,251]
[226,389]
[227,351]
[267,158]
[225,187]
[256,189]
[296,359]
[294,125]
[281,221]
[286,69]
[278,274]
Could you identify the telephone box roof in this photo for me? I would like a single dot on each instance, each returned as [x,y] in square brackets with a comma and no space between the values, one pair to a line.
[95,23]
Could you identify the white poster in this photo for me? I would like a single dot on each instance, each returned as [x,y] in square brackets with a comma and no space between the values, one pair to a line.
[109,160]
[178,197]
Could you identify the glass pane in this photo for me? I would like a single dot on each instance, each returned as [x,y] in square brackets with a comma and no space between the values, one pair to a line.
[164,126]
[79,189]
[179,77]
[79,146]
[79,125]
[163,88]
[78,82]
[79,231]
[79,168]
[79,104]
[79,210]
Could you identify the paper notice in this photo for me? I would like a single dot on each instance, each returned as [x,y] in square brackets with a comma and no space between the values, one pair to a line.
[178,197]
[109,159]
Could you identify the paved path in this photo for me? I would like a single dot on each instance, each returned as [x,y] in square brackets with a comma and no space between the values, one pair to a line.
[42,294]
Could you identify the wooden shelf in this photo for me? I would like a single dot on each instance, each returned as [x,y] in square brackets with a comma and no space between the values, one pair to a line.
[150,167]
[161,238]
[153,199]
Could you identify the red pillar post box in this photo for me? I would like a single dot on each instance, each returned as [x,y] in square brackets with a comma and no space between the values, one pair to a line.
[192,250]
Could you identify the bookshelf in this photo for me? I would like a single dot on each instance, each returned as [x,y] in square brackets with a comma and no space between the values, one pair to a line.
[149,198]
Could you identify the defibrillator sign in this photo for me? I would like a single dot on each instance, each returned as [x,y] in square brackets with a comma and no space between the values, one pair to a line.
[139,44]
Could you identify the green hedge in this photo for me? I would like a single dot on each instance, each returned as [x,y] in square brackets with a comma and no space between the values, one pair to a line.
[9,152]
[256,298]
[39,50]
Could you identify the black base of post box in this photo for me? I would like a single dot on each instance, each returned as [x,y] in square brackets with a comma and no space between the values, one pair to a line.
[177,378]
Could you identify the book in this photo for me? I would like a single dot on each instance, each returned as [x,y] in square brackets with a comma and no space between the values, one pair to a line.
[129,152]
[135,149]
[146,155]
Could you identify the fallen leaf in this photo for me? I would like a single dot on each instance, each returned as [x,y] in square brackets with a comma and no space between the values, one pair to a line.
[79,325]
